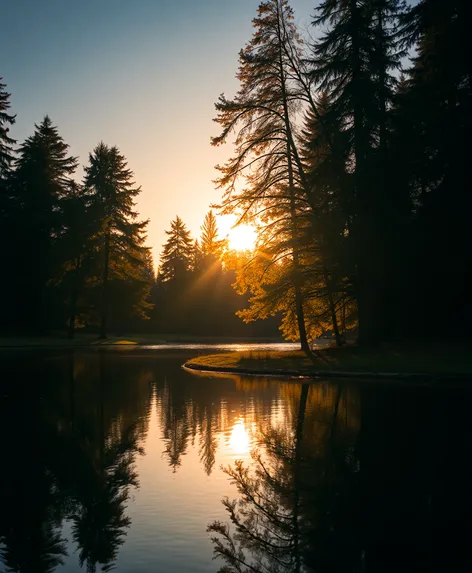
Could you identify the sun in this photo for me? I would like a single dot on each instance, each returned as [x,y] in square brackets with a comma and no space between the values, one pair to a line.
[242,238]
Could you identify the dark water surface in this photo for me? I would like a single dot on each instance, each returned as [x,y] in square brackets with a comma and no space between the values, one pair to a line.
[113,460]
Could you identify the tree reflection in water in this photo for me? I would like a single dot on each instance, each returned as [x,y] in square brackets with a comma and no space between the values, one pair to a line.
[354,478]
[270,530]
[99,520]
[31,504]
[72,450]
[208,441]
[366,479]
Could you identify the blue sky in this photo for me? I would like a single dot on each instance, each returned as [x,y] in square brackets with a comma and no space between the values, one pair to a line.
[139,74]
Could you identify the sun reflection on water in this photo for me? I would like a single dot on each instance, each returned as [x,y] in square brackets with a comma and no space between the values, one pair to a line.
[239,439]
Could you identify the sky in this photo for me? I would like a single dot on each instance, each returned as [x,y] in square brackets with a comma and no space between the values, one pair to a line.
[139,74]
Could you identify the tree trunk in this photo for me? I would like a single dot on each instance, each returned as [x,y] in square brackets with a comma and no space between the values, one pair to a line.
[332,307]
[304,344]
[296,266]
[104,301]
[364,238]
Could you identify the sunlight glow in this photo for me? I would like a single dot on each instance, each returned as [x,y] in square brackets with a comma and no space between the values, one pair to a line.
[239,440]
[242,238]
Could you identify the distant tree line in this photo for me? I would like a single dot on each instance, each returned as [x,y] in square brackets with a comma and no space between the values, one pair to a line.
[193,292]
[74,253]
[352,146]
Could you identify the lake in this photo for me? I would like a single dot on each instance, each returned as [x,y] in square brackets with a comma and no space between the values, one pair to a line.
[122,460]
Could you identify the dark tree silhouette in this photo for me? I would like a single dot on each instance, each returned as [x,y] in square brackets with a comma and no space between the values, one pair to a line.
[432,120]
[176,257]
[109,182]
[324,151]
[208,440]
[6,205]
[77,251]
[6,142]
[100,521]
[41,179]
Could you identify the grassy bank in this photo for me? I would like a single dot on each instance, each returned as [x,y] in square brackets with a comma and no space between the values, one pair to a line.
[433,358]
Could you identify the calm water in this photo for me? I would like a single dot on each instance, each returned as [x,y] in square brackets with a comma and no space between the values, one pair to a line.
[114,460]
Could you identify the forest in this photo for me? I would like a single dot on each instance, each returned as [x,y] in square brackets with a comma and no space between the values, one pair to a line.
[349,158]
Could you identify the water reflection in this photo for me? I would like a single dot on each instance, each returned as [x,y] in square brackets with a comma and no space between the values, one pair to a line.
[239,439]
[271,530]
[357,479]
[71,450]
[114,462]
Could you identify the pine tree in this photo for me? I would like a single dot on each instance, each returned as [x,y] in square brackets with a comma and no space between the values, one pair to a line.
[7,219]
[263,113]
[354,62]
[209,242]
[77,252]
[109,182]
[6,142]
[211,248]
[341,68]
[42,178]
[324,153]
[197,256]
[388,49]
[176,257]
[388,198]
[432,123]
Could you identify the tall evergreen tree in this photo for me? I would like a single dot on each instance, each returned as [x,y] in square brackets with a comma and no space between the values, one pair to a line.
[263,113]
[7,224]
[433,120]
[176,257]
[388,49]
[209,242]
[388,198]
[121,236]
[42,178]
[77,251]
[197,256]
[354,62]
[6,142]
[324,152]
[341,67]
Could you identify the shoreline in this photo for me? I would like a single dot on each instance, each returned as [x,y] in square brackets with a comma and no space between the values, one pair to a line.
[323,374]
[408,362]
[45,342]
